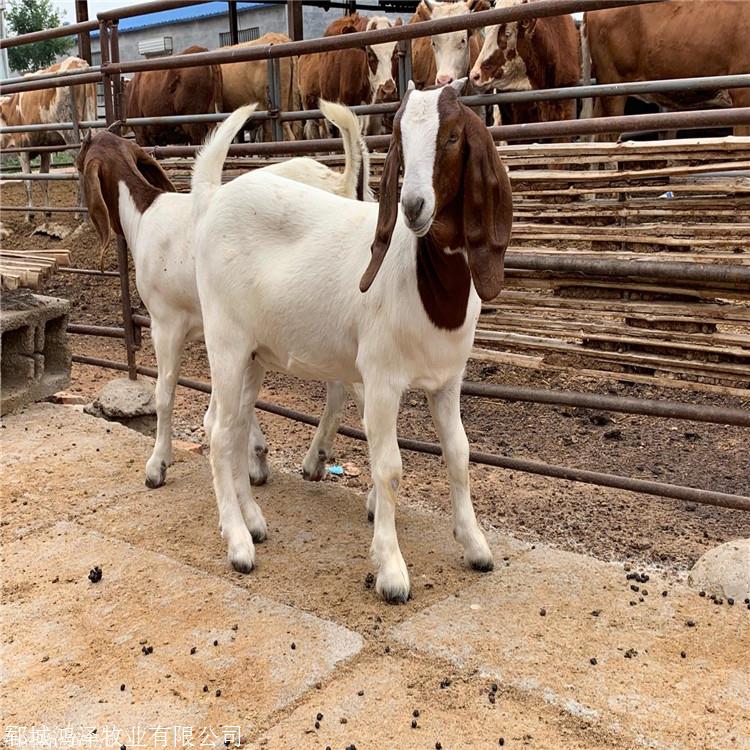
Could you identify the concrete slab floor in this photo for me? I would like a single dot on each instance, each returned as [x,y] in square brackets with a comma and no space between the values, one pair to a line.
[73,497]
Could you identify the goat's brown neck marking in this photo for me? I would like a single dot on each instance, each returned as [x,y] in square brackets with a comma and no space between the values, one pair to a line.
[444,282]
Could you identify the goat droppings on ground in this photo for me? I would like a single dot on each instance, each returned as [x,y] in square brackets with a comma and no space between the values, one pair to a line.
[95,574]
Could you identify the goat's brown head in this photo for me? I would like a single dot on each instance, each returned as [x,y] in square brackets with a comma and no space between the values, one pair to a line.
[104,161]
[455,186]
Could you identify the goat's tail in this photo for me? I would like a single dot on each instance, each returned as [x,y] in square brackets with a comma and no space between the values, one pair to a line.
[357,170]
[209,161]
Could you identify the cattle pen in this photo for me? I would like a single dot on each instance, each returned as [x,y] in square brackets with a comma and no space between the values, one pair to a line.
[593,205]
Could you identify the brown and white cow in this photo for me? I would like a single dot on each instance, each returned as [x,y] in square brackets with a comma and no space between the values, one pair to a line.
[247,83]
[443,58]
[164,93]
[64,104]
[676,39]
[539,53]
[351,76]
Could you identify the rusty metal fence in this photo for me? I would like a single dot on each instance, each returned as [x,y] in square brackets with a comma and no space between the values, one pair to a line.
[110,72]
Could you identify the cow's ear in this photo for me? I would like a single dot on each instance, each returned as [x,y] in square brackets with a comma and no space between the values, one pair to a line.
[424,11]
[97,208]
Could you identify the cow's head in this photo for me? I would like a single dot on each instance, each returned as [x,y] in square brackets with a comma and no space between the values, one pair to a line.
[451,50]
[502,63]
[382,63]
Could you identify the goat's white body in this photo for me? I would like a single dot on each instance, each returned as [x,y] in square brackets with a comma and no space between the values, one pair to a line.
[288,260]
[161,240]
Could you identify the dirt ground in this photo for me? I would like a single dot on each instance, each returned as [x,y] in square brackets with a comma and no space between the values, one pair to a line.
[611,525]
[552,650]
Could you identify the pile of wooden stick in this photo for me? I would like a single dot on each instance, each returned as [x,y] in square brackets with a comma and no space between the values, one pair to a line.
[30,268]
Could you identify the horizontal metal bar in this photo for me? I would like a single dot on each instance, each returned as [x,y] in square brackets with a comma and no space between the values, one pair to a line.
[89,272]
[676,492]
[46,209]
[531,131]
[43,76]
[666,85]
[142,9]
[45,126]
[537,9]
[72,79]
[83,329]
[652,269]
[703,118]
[646,407]
[19,176]
[41,149]
[42,36]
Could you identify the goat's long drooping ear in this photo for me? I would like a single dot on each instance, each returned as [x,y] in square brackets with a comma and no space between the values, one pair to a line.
[98,212]
[488,208]
[153,173]
[387,213]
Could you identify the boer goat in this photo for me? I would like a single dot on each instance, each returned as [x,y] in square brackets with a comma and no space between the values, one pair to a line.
[265,250]
[128,190]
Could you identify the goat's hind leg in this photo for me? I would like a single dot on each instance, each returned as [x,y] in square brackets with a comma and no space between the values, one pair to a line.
[257,453]
[169,343]
[446,413]
[228,425]
[251,512]
[321,447]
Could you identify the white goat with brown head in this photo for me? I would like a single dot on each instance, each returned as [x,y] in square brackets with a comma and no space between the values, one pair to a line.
[126,189]
[265,250]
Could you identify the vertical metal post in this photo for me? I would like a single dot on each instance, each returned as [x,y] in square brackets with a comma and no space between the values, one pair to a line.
[111,109]
[117,87]
[234,25]
[350,7]
[84,38]
[274,97]
[404,65]
[294,22]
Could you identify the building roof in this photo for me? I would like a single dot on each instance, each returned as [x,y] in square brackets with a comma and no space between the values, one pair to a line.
[180,15]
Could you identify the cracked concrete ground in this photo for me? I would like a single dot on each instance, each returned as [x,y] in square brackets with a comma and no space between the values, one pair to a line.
[172,644]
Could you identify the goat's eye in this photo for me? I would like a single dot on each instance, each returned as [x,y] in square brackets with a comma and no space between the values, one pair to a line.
[453,138]
[508,33]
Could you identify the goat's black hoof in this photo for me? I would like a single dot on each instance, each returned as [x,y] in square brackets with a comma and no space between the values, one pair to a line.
[483,566]
[395,597]
[242,567]
[258,480]
[258,536]
[152,483]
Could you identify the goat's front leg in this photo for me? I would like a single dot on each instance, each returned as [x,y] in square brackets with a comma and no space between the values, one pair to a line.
[227,428]
[169,343]
[321,447]
[381,412]
[446,414]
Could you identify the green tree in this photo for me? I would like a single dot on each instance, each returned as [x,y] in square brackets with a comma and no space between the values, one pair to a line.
[25,16]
